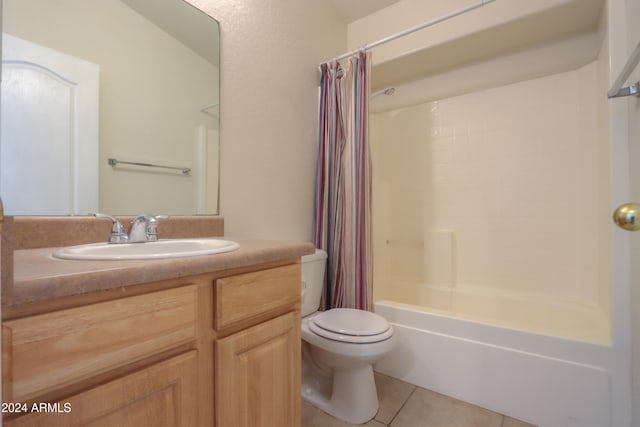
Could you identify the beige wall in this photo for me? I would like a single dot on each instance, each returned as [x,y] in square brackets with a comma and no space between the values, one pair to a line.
[270,51]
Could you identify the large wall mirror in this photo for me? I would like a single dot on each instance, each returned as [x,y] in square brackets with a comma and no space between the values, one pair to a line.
[109,106]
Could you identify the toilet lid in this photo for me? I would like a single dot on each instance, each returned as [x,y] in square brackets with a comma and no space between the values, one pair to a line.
[350,325]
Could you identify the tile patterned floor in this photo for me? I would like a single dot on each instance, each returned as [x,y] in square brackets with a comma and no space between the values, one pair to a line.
[405,405]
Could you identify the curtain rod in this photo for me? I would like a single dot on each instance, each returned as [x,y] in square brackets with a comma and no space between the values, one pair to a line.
[414,29]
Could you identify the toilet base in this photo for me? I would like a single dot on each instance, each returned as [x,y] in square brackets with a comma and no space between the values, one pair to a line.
[349,394]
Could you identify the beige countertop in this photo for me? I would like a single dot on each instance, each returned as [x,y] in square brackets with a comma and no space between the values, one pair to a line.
[38,276]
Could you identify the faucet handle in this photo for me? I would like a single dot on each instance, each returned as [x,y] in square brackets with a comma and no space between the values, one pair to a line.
[152,224]
[118,234]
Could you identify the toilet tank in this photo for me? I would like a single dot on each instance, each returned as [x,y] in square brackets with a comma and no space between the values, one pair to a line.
[313,270]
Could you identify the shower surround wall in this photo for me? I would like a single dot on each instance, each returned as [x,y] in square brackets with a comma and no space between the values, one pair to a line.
[492,205]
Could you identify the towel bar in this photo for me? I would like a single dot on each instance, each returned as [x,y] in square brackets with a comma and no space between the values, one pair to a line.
[114,162]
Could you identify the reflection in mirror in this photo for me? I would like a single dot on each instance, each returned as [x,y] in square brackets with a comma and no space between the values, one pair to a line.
[85,81]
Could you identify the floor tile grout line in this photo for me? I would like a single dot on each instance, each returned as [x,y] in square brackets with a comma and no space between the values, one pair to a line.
[415,387]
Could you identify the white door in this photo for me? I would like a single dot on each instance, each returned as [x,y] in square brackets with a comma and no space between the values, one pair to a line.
[625,187]
[633,105]
[48,131]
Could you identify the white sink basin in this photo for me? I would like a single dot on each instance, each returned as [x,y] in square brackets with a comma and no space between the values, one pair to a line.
[161,249]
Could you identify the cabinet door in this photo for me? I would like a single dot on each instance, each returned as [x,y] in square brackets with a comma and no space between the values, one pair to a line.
[258,375]
[161,395]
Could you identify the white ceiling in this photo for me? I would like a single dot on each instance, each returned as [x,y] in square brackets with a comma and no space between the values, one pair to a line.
[352,10]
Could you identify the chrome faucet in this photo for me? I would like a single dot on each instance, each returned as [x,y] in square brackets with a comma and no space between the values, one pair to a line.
[118,234]
[143,229]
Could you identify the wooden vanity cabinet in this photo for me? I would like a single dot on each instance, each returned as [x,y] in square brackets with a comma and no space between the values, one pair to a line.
[257,353]
[203,351]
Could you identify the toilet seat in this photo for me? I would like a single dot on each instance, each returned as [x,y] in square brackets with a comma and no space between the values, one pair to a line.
[351,326]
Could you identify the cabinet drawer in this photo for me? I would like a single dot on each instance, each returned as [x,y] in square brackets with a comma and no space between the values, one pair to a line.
[244,296]
[45,352]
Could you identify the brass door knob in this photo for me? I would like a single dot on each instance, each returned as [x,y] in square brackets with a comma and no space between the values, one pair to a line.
[627,216]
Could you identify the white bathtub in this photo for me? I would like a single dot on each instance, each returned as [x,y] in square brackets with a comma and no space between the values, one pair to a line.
[545,380]
[532,312]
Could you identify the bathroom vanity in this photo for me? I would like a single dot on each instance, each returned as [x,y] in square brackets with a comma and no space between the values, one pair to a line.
[208,340]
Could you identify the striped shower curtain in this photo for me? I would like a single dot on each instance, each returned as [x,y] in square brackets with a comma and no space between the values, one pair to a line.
[342,225]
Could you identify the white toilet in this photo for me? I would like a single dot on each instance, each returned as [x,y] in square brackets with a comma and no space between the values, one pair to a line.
[339,347]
